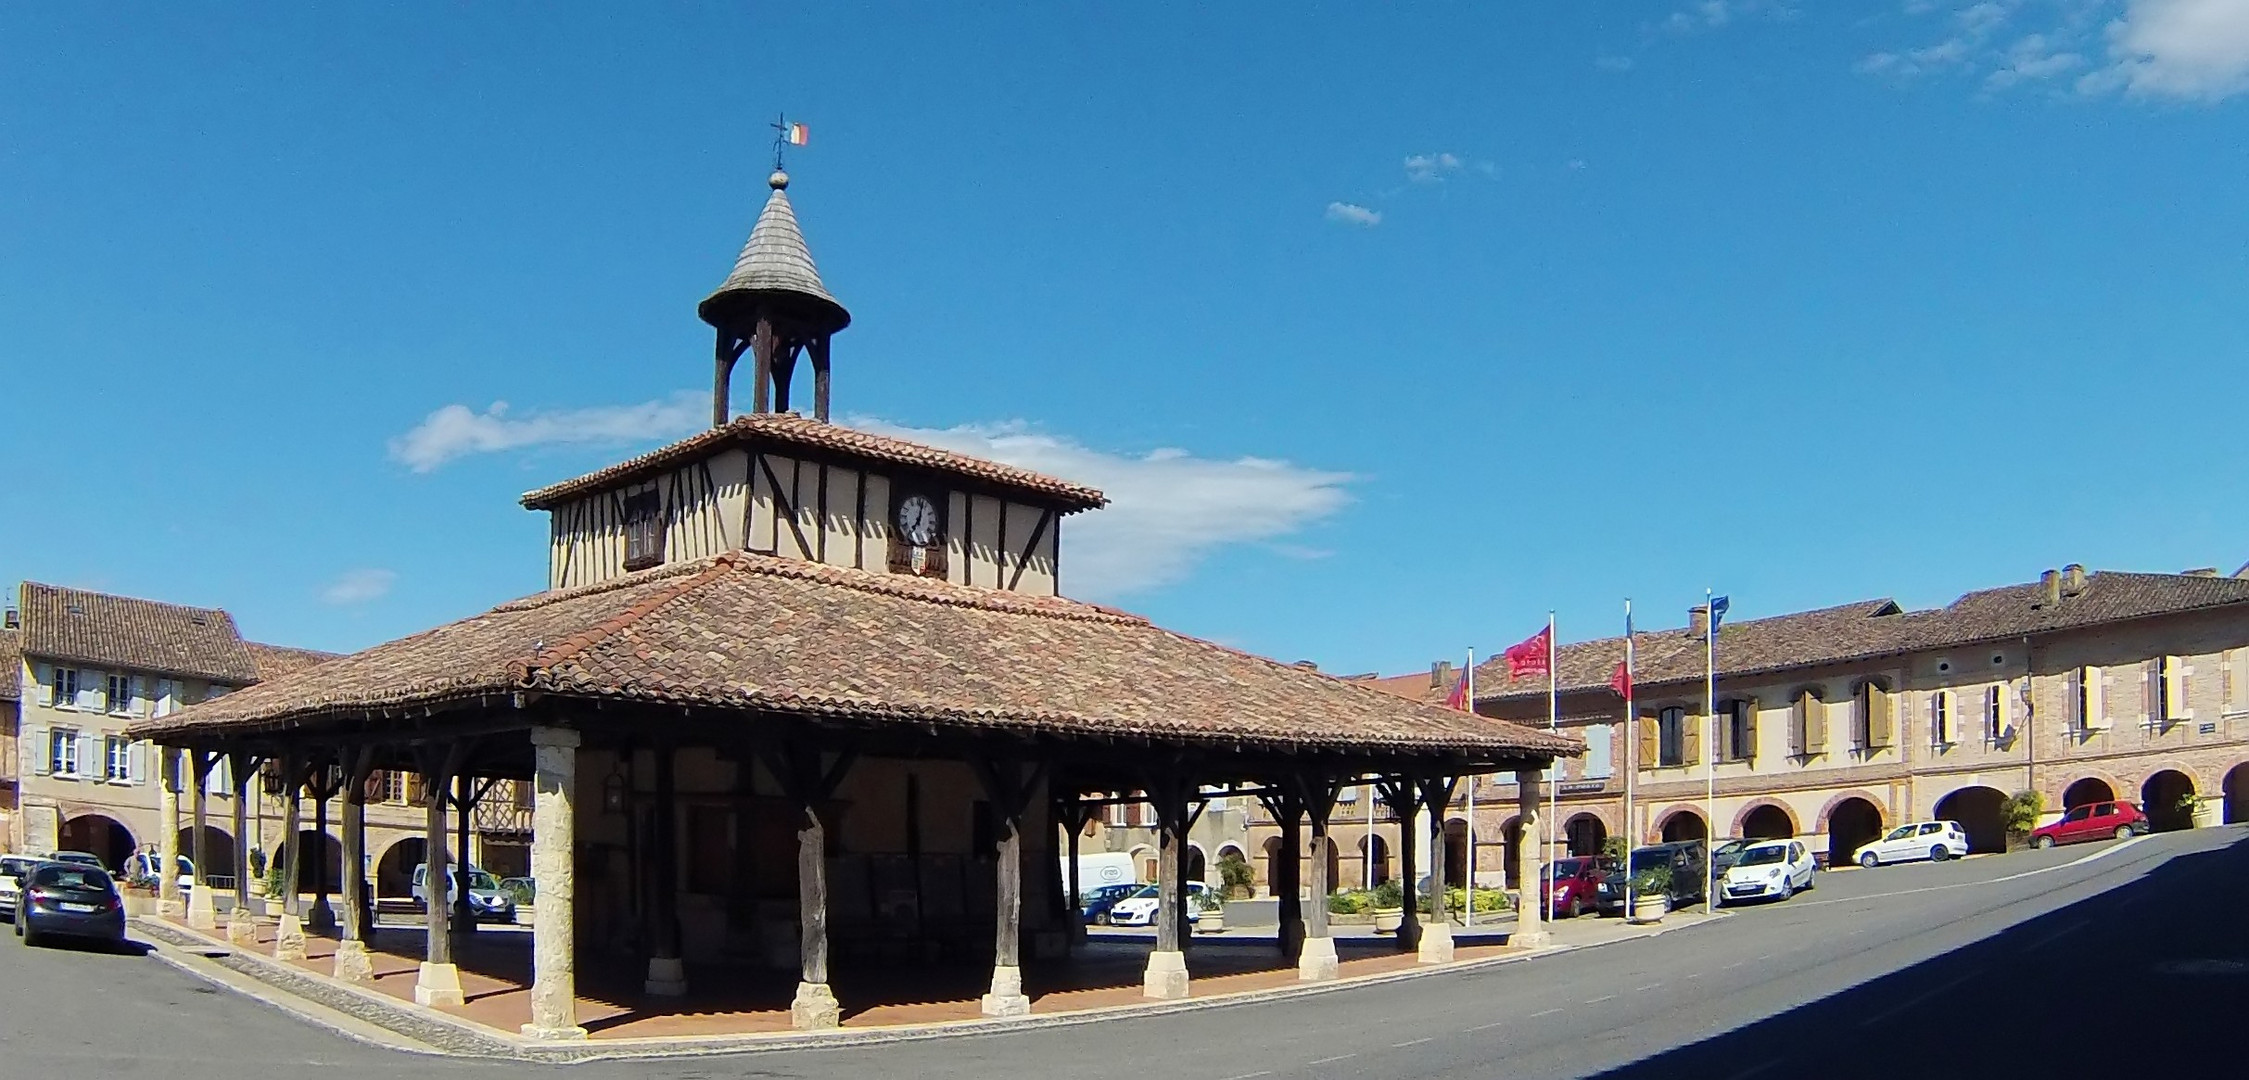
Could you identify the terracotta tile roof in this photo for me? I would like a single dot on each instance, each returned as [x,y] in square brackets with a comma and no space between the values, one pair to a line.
[124,632]
[1870,629]
[792,431]
[275,661]
[752,632]
[11,665]
[1414,687]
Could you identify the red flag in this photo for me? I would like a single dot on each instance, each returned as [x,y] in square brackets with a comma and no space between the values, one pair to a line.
[1458,699]
[1620,680]
[1532,656]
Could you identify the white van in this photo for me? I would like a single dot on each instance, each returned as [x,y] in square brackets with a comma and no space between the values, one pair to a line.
[1105,868]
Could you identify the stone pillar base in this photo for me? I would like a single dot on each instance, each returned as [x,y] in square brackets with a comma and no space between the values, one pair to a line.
[1436,945]
[200,914]
[1166,978]
[1318,962]
[553,1034]
[1531,939]
[1007,997]
[814,1008]
[241,927]
[667,976]
[438,984]
[322,918]
[289,943]
[353,962]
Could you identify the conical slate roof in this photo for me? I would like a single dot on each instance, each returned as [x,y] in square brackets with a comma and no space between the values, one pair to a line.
[776,267]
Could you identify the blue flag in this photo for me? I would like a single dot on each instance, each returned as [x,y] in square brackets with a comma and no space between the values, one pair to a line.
[1718,607]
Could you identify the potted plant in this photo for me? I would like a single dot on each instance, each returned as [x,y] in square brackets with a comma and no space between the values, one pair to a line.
[1651,894]
[2020,814]
[2204,811]
[257,872]
[1389,907]
[1211,908]
[1235,874]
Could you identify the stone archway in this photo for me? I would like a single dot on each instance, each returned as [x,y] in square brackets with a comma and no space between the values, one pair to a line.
[323,867]
[2091,789]
[99,835]
[1766,820]
[1685,825]
[1374,859]
[1851,822]
[218,848]
[1510,845]
[1982,811]
[1587,834]
[2160,799]
[394,872]
[1271,858]
[2237,793]
[1197,869]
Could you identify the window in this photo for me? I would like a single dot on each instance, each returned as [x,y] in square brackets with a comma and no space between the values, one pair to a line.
[1741,730]
[2088,710]
[1940,718]
[1995,713]
[644,530]
[117,697]
[1870,717]
[1807,724]
[1671,736]
[1597,754]
[119,754]
[2167,690]
[63,692]
[62,752]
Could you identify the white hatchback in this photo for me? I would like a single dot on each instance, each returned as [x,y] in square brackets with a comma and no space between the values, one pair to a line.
[1932,840]
[1771,869]
[1139,909]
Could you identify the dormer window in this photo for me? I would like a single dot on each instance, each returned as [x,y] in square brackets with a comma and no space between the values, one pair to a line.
[644,529]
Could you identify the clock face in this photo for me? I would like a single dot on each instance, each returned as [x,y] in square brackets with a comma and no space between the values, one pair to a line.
[917,521]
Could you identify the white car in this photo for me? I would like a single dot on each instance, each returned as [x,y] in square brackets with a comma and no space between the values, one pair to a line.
[11,889]
[1769,869]
[1932,840]
[1139,909]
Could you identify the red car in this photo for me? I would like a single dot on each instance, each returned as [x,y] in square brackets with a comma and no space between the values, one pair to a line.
[2092,821]
[1573,886]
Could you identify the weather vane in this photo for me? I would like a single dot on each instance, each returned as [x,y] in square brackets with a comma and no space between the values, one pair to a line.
[786,135]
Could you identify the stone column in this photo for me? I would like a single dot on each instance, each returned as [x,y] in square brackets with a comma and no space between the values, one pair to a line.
[439,981]
[289,941]
[202,907]
[1435,946]
[1317,961]
[1530,925]
[241,926]
[815,1004]
[1007,997]
[353,964]
[1166,976]
[168,844]
[667,973]
[554,981]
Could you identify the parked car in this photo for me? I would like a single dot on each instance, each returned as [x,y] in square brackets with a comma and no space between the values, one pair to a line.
[2093,821]
[141,868]
[1094,903]
[487,901]
[67,899]
[82,858]
[1139,909]
[1767,870]
[1932,840]
[1722,857]
[12,870]
[1684,857]
[1573,885]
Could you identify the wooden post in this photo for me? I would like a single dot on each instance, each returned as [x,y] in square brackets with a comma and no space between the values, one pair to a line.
[1009,789]
[353,964]
[289,941]
[1289,889]
[554,987]
[1166,976]
[819,352]
[202,907]
[241,928]
[722,383]
[1400,794]
[1317,960]
[322,917]
[761,360]
[462,921]
[439,981]
[801,774]
[667,973]
[1436,945]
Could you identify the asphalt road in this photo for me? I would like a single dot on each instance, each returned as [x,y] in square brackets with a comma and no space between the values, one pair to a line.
[2079,961]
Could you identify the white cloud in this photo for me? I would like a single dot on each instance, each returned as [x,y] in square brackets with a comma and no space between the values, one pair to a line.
[1712,14]
[1168,509]
[457,431]
[1354,214]
[2193,49]
[1430,168]
[1612,62]
[358,587]
[2031,59]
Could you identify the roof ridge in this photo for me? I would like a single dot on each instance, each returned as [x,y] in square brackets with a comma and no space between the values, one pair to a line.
[30,584]
[931,591]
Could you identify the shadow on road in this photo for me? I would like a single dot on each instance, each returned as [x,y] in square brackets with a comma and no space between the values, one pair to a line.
[127,947]
[2146,978]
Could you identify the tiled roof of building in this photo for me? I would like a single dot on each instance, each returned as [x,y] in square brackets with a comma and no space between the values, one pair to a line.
[11,665]
[274,661]
[792,431]
[1870,629]
[755,633]
[124,632]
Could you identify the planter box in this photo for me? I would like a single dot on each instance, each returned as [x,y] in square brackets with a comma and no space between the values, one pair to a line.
[2210,816]
[524,914]
[1211,922]
[1387,920]
[1648,909]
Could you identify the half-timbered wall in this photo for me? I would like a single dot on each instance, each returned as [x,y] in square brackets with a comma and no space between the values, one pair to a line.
[795,508]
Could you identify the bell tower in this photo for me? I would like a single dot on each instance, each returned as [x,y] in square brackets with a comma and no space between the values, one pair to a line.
[774,308]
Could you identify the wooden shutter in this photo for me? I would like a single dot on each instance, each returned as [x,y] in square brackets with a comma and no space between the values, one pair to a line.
[2096,699]
[136,763]
[1800,724]
[2182,681]
[1651,743]
[1815,724]
[2227,682]
[42,756]
[91,761]
[1749,731]
[92,686]
[2151,690]
[1879,721]
[1690,739]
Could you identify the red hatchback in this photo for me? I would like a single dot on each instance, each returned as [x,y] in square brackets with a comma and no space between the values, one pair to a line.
[2092,821]
[1573,886]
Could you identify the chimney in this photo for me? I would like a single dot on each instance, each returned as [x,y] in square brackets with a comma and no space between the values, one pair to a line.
[1440,675]
[1698,621]
[2073,579]
[13,620]
[2200,571]
[2050,587]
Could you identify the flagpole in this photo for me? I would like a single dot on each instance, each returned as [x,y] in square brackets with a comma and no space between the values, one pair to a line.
[1631,756]
[1553,726]
[1468,887]
[1709,753]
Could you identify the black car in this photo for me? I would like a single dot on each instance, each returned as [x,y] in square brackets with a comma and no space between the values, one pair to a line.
[1095,902]
[69,900]
[1684,857]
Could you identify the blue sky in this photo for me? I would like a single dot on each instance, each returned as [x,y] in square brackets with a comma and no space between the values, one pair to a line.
[1391,327]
